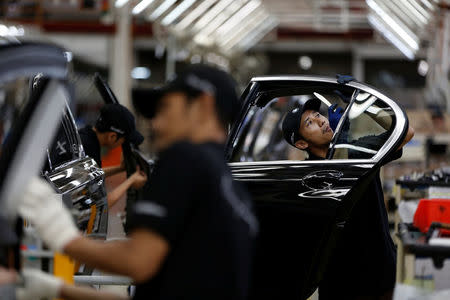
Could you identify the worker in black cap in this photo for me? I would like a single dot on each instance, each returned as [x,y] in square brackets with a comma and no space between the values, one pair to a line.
[363,265]
[114,126]
[192,235]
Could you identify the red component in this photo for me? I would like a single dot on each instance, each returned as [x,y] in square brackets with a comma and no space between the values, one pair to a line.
[432,210]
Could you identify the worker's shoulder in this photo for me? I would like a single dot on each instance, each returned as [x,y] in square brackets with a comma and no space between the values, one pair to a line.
[200,156]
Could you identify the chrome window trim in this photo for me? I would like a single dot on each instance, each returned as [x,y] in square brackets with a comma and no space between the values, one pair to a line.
[303,162]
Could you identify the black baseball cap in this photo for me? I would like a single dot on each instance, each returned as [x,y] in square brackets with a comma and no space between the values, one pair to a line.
[291,122]
[193,81]
[117,118]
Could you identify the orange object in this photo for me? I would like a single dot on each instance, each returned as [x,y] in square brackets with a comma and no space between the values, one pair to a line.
[64,268]
[112,158]
[432,210]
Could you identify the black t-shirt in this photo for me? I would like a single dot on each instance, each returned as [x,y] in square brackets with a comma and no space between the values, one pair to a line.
[206,218]
[364,262]
[91,144]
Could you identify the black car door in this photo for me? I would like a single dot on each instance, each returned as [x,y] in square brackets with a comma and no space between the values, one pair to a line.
[302,205]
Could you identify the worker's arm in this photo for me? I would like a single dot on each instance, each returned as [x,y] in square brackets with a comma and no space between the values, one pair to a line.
[71,292]
[385,121]
[409,135]
[136,181]
[140,257]
[109,171]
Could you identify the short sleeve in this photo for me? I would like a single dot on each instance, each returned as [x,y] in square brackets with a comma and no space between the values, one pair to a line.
[169,200]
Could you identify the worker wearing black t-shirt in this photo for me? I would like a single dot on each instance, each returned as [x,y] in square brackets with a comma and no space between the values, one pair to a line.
[114,126]
[192,236]
[363,264]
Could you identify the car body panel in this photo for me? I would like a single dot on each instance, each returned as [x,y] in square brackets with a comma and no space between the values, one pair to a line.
[302,205]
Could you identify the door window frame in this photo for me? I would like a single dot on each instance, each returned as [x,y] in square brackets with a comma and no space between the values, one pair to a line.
[254,94]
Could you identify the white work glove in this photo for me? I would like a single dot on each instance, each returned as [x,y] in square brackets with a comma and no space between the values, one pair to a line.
[38,285]
[43,208]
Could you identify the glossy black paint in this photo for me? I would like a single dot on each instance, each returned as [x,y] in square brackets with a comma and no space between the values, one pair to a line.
[297,205]
[302,206]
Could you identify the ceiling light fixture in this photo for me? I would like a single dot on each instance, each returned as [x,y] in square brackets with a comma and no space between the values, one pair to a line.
[174,14]
[258,34]
[211,14]
[120,3]
[141,6]
[416,10]
[194,14]
[242,30]
[238,17]
[221,18]
[161,9]
[402,31]
[247,32]
[391,37]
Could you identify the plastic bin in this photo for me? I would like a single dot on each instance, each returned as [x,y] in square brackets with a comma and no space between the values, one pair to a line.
[432,210]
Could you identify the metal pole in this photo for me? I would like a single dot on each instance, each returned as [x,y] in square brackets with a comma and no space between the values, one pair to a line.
[122,56]
[171,57]
[102,280]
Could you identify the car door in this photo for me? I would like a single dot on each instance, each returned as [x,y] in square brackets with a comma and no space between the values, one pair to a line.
[302,205]
[27,125]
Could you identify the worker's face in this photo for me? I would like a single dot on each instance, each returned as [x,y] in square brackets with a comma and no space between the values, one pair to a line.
[173,120]
[315,129]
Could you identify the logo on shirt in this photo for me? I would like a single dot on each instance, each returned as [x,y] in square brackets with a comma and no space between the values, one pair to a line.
[150,209]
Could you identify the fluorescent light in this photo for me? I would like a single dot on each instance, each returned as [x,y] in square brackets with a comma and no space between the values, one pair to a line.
[177,11]
[198,11]
[402,32]
[220,19]
[4,31]
[243,29]
[211,14]
[398,9]
[254,25]
[421,10]
[258,34]
[141,73]
[392,38]
[161,9]
[428,4]
[417,10]
[120,3]
[141,6]
[238,17]
[11,30]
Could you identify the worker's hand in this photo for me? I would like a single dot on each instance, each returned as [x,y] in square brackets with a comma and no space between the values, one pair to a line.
[7,276]
[334,115]
[139,178]
[42,207]
[38,285]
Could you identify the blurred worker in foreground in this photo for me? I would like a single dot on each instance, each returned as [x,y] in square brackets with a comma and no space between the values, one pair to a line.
[114,126]
[192,236]
[363,264]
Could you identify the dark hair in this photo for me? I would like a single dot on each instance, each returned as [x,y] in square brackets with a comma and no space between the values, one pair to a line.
[100,126]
